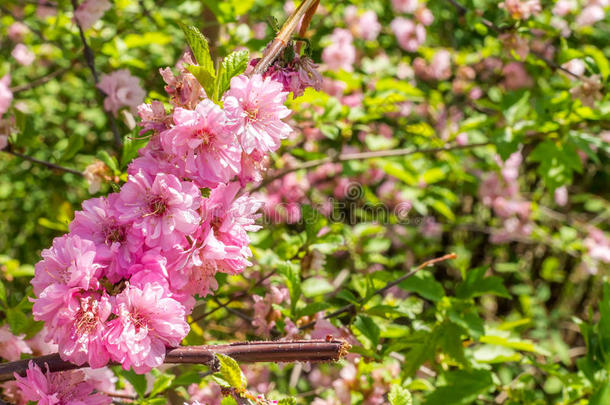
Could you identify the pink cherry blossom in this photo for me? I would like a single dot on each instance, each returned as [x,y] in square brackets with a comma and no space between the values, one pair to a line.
[184,90]
[516,76]
[590,15]
[76,322]
[90,11]
[341,53]
[163,208]
[255,108]
[146,323]
[264,313]
[404,6]
[408,34]
[365,25]
[6,95]
[63,388]
[118,245]
[598,245]
[122,90]
[521,9]
[23,55]
[202,140]
[71,262]
[11,346]
[153,117]
[17,30]
[561,196]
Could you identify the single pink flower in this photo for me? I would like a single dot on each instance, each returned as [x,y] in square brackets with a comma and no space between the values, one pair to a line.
[90,11]
[118,245]
[202,141]
[63,388]
[153,117]
[516,76]
[163,208]
[23,55]
[340,54]
[590,15]
[122,90]
[147,322]
[521,9]
[404,6]
[11,346]
[255,108]
[6,95]
[70,261]
[408,34]
[17,30]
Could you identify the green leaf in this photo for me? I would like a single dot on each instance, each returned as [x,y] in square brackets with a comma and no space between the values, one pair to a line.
[162,382]
[476,284]
[601,395]
[292,273]
[205,77]
[132,143]
[518,110]
[233,65]
[204,71]
[600,60]
[368,328]
[231,373]
[228,401]
[110,161]
[2,293]
[17,320]
[138,381]
[557,161]
[462,387]
[75,144]
[424,284]
[399,396]
[287,401]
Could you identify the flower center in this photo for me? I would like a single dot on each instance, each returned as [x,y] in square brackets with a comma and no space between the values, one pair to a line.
[86,317]
[205,136]
[113,232]
[156,206]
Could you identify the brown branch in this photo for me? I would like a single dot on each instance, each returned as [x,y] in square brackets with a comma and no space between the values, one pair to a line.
[90,59]
[43,162]
[247,352]
[352,306]
[282,38]
[41,80]
[363,156]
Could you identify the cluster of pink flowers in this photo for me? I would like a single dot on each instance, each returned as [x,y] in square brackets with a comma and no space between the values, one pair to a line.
[501,193]
[362,24]
[521,9]
[119,285]
[410,31]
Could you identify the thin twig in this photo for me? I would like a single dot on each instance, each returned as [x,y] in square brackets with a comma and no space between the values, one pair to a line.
[41,80]
[90,60]
[43,162]
[352,306]
[248,352]
[282,38]
[363,156]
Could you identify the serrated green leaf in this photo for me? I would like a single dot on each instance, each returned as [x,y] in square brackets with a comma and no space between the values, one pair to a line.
[230,372]
[462,387]
[162,382]
[292,273]
[204,71]
[399,396]
[75,144]
[233,65]
[476,284]
[368,328]
[138,381]
[17,320]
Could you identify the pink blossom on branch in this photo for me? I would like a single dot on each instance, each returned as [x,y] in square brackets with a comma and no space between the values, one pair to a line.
[340,54]
[408,34]
[23,55]
[11,346]
[147,322]
[63,388]
[122,90]
[255,109]
[6,95]
[201,140]
[163,208]
[90,11]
